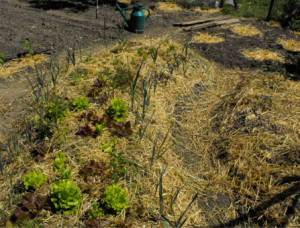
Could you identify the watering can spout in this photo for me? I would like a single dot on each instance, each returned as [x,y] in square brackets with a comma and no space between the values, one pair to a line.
[121,11]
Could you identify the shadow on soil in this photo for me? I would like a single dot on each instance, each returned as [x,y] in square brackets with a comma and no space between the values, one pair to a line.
[257,216]
[74,6]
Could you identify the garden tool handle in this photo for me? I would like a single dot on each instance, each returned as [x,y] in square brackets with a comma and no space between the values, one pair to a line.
[148,12]
[127,8]
[123,9]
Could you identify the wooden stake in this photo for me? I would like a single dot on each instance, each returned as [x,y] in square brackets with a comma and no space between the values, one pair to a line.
[97,10]
[235,4]
[270,10]
[222,4]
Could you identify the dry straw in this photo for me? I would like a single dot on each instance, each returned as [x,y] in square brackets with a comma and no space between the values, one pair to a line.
[200,37]
[292,45]
[296,32]
[272,23]
[244,30]
[262,54]
[169,6]
[209,11]
[234,135]
[20,64]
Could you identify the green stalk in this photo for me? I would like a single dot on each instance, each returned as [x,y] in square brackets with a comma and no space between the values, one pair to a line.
[141,134]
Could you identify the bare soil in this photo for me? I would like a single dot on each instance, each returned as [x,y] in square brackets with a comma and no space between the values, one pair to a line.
[227,53]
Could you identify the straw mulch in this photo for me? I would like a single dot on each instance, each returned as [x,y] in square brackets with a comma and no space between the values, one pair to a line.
[19,64]
[292,45]
[209,11]
[272,23]
[244,30]
[169,6]
[296,32]
[200,37]
[261,54]
[241,127]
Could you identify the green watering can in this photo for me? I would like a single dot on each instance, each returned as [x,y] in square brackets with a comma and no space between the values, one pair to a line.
[137,18]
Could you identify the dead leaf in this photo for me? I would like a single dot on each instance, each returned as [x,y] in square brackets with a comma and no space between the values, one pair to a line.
[98,223]
[28,201]
[20,215]
[123,129]
[85,131]
[91,168]
[100,83]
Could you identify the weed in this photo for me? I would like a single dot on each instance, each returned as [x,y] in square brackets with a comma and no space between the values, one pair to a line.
[1,58]
[291,9]
[76,78]
[115,62]
[95,213]
[154,52]
[140,51]
[133,61]
[103,75]
[88,59]
[118,163]
[204,7]
[29,44]
[276,68]
[122,42]
[84,88]
[266,103]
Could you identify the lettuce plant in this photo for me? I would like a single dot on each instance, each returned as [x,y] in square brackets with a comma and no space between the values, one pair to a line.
[34,179]
[95,213]
[99,128]
[59,161]
[80,103]
[117,110]
[59,165]
[66,196]
[108,147]
[57,110]
[115,198]
[66,172]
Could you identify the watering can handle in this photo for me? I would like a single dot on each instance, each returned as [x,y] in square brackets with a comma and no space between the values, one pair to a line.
[123,9]
[148,12]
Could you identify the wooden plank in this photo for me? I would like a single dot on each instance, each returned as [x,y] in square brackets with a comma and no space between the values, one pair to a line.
[22,54]
[200,21]
[206,25]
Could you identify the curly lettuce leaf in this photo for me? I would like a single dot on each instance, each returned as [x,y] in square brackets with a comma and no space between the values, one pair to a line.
[67,196]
